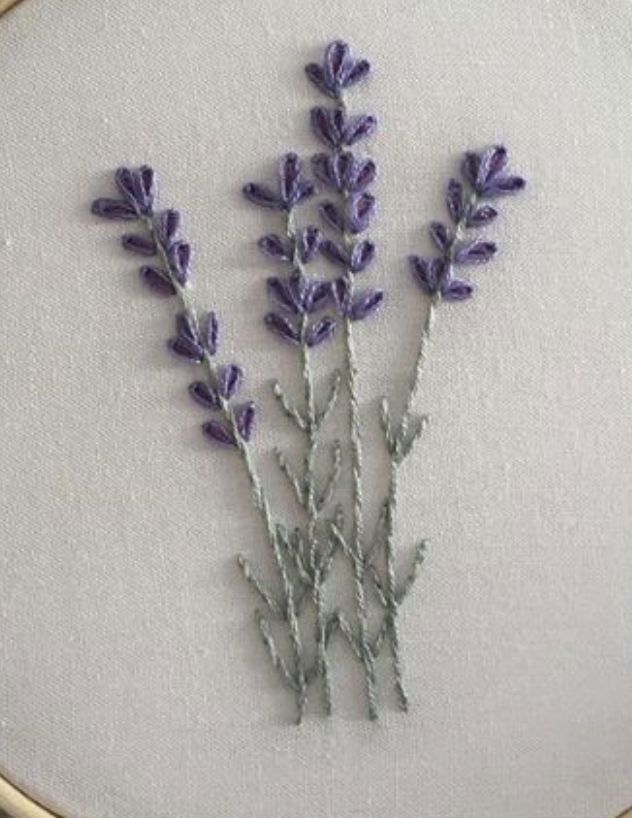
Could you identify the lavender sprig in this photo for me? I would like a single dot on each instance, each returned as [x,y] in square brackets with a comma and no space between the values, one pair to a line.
[299,301]
[348,216]
[196,342]
[485,176]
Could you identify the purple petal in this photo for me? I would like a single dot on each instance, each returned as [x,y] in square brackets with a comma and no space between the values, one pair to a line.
[440,234]
[493,160]
[229,380]
[334,253]
[262,196]
[476,252]
[341,289]
[470,166]
[219,433]
[275,247]
[362,255]
[137,187]
[124,179]
[289,174]
[114,209]
[323,166]
[364,174]
[179,256]
[337,65]
[316,74]
[454,199]
[212,333]
[186,348]
[504,185]
[166,225]
[320,331]
[186,328]
[309,240]
[482,215]
[456,289]
[158,280]
[147,179]
[427,273]
[143,245]
[332,216]
[278,291]
[203,394]
[316,296]
[282,326]
[304,191]
[358,128]
[358,71]
[365,303]
[245,419]
[361,211]
[327,125]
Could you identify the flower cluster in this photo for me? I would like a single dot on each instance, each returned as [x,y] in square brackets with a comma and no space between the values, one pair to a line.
[294,296]
[487,176]
[169,275]
[347,175]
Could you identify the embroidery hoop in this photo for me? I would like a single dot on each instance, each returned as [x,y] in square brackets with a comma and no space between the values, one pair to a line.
[14,801]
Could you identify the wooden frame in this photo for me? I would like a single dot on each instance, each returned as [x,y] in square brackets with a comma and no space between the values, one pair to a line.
[13,801]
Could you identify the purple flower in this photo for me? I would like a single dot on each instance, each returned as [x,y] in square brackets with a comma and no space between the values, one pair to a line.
[283,326]
[245,419]
[336,130]
[114,209]
[356,306]
[344,172]
[486,172]
[292,189]
[229,380]
[359,213]
[179,256]
[135,243]
[298,294]
[187,343]
[166,226]
[338,71]
[205,395]
[357,259]
[136,186]
[157,280]
[306,243]
[319,331]
[219,433]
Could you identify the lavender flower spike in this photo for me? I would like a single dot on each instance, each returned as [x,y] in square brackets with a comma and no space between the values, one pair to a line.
[292,188]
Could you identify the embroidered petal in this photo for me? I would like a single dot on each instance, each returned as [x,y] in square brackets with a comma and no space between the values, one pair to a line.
[229,380]
[262,196]
[219,433]
[304,191]
[362,255]
[203,394]
[282,326]
[186,348]
[470,166]
[341,292]
[454,199]
[316,74]
[365,304]
[166,225]
[358,128]
[245,419]
[323,166]
[179,256]
[361,212]
[482,215]
[290,174]
[320,331]
[316,296]
[279,292]
[456,290]
[332,216]
[492,161]
[476,252]
[158,280]
[143,245]
[309,240]
[504,185]
[363,175]
[275,247]
[334,253]
[327,125]
[427,273]
[212,333]
[358,71]
[440,234]
[337,65]
[114,209]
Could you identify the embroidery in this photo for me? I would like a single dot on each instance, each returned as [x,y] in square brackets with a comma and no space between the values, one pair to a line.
[297,619]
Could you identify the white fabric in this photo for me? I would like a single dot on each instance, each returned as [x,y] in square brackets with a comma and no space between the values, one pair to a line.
[132,681]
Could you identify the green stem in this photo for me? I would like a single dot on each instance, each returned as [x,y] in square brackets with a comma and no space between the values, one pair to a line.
[257,491]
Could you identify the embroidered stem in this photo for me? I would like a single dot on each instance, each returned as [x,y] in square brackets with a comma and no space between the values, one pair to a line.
[258,495]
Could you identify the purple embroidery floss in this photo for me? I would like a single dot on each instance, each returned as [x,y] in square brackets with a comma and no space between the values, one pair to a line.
[298,299]
[196,342]
[350,215]
[487,177]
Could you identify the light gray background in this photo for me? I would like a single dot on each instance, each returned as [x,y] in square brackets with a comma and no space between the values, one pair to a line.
[132,682]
